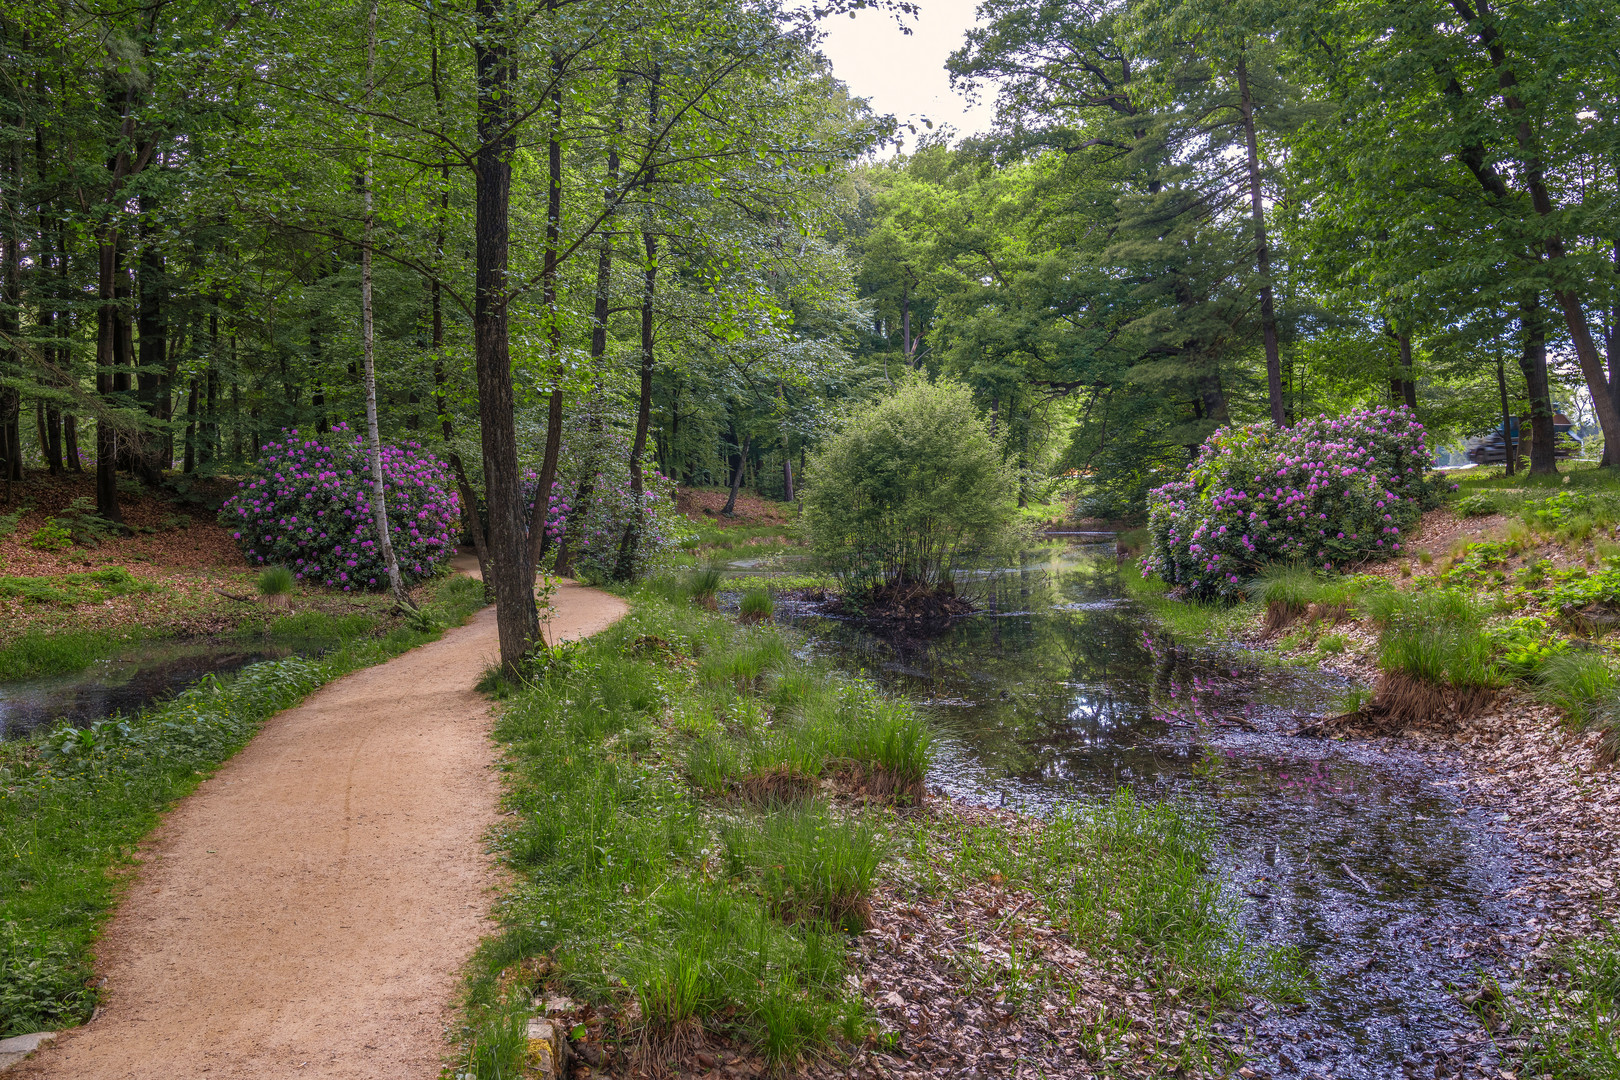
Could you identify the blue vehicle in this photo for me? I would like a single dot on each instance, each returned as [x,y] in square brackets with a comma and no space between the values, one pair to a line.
[1491,449]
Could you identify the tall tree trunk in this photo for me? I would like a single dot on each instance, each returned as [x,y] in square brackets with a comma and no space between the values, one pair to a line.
[1611,337]
[630,545]
[467,499]
[539,537]
[1533,362]
[517,621]
[1482,24]
[191,429]
[150,377]
[1408,385]
[368,339]
[1509,443]
[106,368]
[1268,312]
[53,439]
[70,442]
[736,477]
[10,321]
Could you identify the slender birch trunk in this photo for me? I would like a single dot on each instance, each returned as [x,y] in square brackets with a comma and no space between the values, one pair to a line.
[379,506]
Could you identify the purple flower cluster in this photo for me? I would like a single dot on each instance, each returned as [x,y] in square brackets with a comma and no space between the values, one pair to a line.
[309,509]
[1328,492]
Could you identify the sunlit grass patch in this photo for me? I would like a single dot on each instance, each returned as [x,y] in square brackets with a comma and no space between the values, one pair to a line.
[1582,684]
[39,653]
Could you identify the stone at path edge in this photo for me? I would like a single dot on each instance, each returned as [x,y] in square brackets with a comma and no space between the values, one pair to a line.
[17,1047]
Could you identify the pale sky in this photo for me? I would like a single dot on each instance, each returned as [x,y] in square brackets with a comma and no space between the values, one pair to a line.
[904,74]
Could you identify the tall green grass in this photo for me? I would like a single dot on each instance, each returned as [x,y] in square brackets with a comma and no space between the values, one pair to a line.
[756,605]
[1434,635]
[73,805]
[275,581]
[807,863]
[1569,1024]
[1582,684]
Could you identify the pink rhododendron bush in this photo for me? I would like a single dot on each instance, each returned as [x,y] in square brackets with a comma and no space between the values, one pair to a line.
[1328,492]
[309,509]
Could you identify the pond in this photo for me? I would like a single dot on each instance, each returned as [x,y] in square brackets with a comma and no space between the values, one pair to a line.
[134,678]
[1061,689]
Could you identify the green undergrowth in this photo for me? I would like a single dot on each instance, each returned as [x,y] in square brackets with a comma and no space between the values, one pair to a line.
[90,587]
[74,803]
[674,859]
[36,654]
[1434,635]
[1127,879]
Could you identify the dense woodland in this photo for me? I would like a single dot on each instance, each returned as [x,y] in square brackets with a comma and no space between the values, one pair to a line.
[667,229]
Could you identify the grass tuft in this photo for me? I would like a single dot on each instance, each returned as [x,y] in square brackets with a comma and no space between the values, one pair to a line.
[275,581]
[1581,684]
[807,864]
[756,606]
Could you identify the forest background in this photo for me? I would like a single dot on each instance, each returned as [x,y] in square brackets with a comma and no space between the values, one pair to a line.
[608,238]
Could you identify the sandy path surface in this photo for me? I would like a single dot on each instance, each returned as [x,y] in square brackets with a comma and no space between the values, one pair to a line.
[307,911]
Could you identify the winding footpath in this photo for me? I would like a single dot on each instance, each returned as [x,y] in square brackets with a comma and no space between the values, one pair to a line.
[307,912]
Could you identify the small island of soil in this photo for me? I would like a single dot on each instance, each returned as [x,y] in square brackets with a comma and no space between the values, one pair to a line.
[905,602]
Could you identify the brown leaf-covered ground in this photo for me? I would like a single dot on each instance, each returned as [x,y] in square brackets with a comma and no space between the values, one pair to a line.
[705,504]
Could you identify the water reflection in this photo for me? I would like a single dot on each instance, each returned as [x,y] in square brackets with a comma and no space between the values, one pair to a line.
[129,681]
[1062,689]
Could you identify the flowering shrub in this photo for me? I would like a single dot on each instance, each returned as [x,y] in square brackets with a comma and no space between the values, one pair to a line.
[309,509]
[1329,491]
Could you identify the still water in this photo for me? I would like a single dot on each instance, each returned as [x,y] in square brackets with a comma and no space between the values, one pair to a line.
[126,682]
[1061,690]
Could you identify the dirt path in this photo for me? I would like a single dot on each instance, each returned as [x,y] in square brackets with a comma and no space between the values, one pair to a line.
[307,911]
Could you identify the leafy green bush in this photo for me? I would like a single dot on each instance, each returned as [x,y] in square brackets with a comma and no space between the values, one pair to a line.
[1524,645]
[9,522]
[84,524]
[909,488]
[1478,505]
[50,537]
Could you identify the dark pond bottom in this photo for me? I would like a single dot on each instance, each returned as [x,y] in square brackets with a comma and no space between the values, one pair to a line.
[127,682]
[1062,691]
